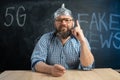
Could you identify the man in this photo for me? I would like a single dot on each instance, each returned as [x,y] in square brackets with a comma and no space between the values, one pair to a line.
[64,48]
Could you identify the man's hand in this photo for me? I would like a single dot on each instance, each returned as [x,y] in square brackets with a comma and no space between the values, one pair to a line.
[78,33]
[57,70]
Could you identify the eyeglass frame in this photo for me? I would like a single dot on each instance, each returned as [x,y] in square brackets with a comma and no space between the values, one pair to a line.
[67,20]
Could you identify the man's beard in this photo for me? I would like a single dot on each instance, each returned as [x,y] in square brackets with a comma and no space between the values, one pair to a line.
[63,34]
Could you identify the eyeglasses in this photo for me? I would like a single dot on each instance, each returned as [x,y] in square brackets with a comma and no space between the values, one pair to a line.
[67,20]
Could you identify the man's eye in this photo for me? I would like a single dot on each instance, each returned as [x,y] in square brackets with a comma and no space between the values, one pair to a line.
[66,20]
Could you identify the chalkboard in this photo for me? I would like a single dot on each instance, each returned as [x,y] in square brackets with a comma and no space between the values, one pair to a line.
[22,23]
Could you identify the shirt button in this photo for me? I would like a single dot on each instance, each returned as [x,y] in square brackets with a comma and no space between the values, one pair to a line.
[62,56]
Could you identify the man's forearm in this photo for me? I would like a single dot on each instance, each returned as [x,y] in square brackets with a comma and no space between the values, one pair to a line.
[86,57]
[55,70]
[43,67]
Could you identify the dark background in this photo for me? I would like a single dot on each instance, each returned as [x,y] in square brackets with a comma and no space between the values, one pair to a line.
[22,23]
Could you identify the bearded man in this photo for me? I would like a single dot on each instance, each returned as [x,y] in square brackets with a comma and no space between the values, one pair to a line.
[64,48]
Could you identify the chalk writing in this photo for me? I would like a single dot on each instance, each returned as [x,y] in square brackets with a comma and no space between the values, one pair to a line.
[114,24]
[9,15]
[22,15]
[107,33]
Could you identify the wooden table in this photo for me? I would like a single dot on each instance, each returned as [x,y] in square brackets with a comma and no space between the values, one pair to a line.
[96,74]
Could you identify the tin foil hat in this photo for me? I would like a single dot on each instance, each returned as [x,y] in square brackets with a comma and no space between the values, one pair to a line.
[62,11]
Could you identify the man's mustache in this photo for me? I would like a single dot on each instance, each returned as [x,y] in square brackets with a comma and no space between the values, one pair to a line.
[63,35]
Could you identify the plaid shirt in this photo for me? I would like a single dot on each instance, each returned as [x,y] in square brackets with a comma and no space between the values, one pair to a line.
[50,50]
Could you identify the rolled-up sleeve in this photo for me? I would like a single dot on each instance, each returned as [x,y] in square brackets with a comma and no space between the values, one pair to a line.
[39,52]
[86,68]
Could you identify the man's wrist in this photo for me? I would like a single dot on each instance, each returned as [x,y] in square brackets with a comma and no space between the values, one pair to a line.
[50,69]
[82,41]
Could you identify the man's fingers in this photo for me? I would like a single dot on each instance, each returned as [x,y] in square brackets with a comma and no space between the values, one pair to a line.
[59,67]
[77,24]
